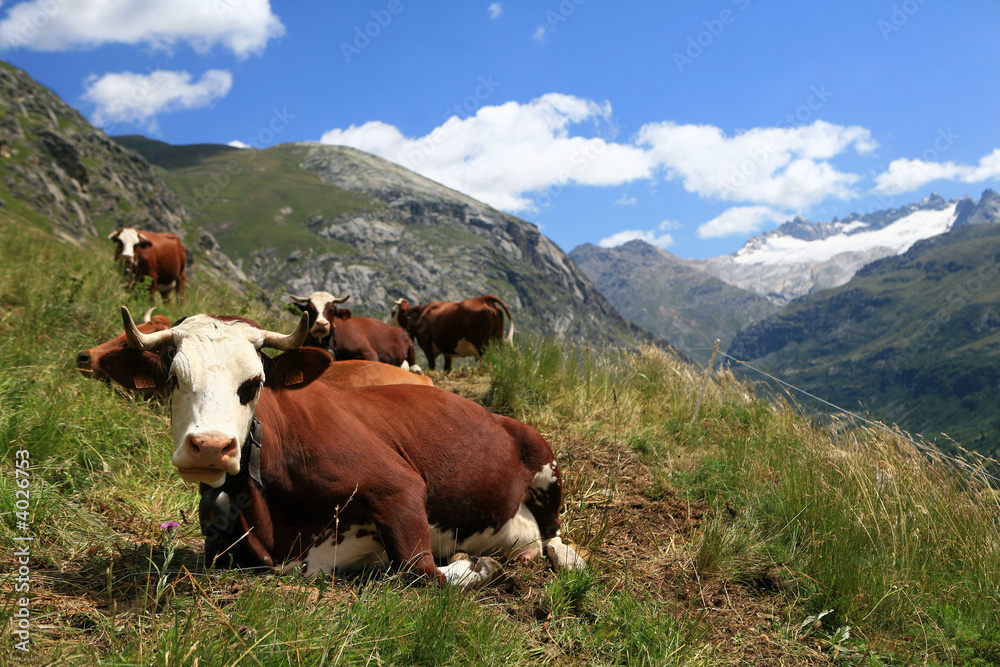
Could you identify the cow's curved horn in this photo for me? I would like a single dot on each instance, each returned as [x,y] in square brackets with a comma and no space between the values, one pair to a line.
[292,341]
[148,315]
[299,299]
[340,299]
[115,233]
[399,301]
[140,341]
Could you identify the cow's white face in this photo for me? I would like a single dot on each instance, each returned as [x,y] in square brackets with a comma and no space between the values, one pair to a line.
[215,381]
[213,371]
[321,327]
[129,239]
[393,318]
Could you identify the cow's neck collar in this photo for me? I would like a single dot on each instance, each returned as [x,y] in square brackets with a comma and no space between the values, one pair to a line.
[216,512]
[252,442]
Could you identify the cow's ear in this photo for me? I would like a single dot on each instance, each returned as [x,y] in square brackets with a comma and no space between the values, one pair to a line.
[295,368]
[342,313]
[134,369]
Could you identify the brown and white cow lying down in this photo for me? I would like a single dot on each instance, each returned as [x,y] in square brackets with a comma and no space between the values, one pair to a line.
[453,328]
[89,361]
[161,256]
[351,373]
[350,337]
[396,476]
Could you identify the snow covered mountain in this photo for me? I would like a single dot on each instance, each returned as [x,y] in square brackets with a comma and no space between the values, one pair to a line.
[801,257]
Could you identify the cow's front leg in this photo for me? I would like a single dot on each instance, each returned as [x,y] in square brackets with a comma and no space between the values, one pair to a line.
[406,536]
[401,520]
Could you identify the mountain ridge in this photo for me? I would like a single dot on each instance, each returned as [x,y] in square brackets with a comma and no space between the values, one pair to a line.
[66,176]
[801,257]
[662,293]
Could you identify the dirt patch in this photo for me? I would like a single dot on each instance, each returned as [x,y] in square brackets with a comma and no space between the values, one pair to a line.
[646,538]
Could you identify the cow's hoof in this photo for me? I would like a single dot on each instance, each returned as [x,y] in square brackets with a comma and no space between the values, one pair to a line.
[471,572]
[488,568]
[563,556]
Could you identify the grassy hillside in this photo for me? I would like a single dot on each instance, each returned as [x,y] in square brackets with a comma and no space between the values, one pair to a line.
[723,540]
[913,339]
[241,196]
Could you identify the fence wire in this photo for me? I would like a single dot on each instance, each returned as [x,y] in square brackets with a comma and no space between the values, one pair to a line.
[919,445]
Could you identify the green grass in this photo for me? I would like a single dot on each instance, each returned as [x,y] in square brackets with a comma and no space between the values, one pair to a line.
[711,541]
[895,539]
[223,191]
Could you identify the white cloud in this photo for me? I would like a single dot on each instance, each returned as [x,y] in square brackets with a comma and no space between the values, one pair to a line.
[495,10]
[236,143]
[625,200]
[242,26]
[127,97]
[740,220]
[786,167]
[652,237]
[539,35]
[905,175]
[505,155]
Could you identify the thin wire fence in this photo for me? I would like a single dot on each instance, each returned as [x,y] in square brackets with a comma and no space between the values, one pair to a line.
[919,445]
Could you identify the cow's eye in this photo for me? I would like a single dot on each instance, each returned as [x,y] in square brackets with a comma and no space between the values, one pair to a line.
[248,390]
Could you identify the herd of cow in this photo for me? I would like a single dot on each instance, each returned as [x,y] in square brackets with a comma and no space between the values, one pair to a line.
[314,464]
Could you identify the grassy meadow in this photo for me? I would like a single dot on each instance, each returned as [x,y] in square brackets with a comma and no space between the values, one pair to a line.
[746,536]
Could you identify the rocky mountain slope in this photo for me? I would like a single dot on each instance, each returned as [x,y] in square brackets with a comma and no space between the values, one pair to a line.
[914,339]
[302,217]
[663,294]
[58,165]
[68,177]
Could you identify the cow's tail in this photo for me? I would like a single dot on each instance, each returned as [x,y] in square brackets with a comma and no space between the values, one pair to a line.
[510,335]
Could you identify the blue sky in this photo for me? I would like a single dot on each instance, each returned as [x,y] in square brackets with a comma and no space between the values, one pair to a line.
[690,125]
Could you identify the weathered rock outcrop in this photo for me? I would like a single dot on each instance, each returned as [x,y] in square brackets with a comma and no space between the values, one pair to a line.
[52,159]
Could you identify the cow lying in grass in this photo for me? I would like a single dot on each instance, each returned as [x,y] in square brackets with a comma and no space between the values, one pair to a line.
[349,337]
[89,361]
[300,473]
[350,373]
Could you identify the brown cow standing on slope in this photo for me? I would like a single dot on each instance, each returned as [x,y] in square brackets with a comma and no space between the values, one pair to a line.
[300,473]
[453,328]
[351,337]
[162,257]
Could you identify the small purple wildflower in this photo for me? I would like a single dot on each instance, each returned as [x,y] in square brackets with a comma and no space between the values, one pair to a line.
[167,525]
